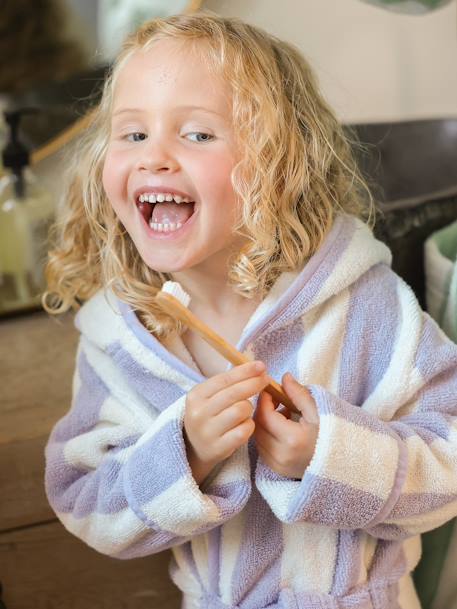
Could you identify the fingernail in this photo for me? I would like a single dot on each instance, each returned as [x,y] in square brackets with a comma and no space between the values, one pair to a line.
[259,366]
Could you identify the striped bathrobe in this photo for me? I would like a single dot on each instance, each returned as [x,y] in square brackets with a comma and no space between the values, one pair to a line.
[384,378]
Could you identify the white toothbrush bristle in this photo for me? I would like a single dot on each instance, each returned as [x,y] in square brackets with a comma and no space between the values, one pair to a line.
[175,289]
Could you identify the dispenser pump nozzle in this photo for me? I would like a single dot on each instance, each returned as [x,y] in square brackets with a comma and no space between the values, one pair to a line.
[15,154]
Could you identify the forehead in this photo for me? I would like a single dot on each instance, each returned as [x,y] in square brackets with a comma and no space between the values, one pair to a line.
[170,67]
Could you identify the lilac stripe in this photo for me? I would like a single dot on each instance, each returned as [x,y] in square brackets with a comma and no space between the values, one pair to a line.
[329,404]
[270,349]
[158,392]
[378,595]
[437,363]
[347,571]
[100,491]
[434,356]
[414,504]
[348,508]
[440,394]
[260,553]
[62,480]
[429,426]
[214,549]
[372,325]
[265,591]
[229,497]
[309,282]
[81,492]
[151,543]
[148,471]
[81,418]
[154,345]
[389,563]
[389,532]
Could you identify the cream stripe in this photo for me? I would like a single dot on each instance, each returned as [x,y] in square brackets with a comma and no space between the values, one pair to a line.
[278,494]
[181,508]
[319,356]
[304,569]
[200,555]
[351,265]
[342,444]
[231,541]
[181,573]
[415,525]
[368,544]
[107,533]
[100,320]
[432,468]
[407,596]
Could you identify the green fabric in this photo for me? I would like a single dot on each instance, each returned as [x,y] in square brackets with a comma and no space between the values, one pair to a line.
[440,277]
[435,545]
[446,240]
[428,3]
[409,6]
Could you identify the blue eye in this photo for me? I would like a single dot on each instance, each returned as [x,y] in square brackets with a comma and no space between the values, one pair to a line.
[136,137]
[205,137]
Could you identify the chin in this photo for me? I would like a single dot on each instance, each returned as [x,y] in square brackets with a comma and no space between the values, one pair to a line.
[165,267]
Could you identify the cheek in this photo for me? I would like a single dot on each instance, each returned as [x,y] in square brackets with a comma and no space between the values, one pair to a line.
[217,181]
[109,177]
[114,175]
[114,187]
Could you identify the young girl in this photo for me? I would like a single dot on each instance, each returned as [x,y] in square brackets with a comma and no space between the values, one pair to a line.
[214,161]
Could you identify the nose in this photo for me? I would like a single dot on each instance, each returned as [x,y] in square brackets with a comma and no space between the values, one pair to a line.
[157,157]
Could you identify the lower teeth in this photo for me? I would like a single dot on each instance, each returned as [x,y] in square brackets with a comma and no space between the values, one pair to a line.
[165,228]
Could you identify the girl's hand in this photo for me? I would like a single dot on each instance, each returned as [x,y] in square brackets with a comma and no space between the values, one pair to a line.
[218,416]
[284,445]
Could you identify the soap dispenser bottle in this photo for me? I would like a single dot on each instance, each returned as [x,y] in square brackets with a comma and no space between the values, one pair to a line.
[26,213]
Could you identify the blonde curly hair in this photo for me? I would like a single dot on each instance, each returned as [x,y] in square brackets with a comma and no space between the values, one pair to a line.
[296,171]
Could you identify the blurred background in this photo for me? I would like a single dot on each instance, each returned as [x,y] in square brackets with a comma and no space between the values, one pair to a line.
[388,68]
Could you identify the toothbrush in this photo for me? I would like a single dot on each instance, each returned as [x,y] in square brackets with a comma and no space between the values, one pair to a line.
[174,300]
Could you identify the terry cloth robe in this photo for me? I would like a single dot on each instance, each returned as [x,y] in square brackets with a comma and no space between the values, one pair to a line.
[384,377]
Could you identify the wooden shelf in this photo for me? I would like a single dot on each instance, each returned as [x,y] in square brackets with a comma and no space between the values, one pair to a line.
[42,566]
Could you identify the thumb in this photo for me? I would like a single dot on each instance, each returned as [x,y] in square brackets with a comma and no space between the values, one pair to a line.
[301,397]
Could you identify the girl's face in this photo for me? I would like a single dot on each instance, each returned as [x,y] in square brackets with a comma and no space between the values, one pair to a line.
[171,134]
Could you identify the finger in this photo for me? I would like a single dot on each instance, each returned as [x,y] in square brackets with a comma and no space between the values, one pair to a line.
[281,408]
[231,417]
[301,397]
[243,390]
[267,448]
[265,405]
[269,418]
[236,437]
[224,380]
[264,436]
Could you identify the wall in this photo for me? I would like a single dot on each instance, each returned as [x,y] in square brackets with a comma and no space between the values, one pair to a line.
[373,64]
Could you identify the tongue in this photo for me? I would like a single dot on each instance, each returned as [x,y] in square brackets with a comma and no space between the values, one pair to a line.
[172,213]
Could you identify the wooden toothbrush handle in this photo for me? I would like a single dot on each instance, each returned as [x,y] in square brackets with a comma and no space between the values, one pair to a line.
[170,303]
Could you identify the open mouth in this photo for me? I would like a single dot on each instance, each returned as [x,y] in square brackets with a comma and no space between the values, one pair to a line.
[165,212]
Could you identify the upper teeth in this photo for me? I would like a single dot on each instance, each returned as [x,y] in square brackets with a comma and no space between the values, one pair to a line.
[163,196]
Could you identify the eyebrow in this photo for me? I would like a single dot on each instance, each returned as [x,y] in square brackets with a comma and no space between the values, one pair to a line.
[184,107]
